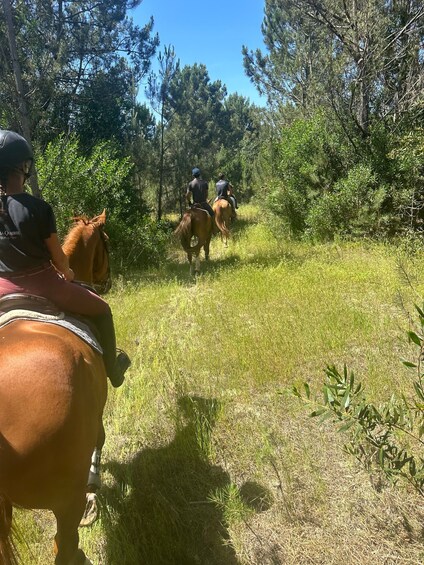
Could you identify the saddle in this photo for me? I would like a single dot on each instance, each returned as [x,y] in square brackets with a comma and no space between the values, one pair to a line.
[199,206]
[33,307]
[21,301]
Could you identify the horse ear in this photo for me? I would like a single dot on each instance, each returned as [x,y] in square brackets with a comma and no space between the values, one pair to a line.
[100,220]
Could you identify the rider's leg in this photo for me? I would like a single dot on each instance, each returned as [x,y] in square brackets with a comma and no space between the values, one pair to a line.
[209,209]
[115,365]
[233,206]
[76,299]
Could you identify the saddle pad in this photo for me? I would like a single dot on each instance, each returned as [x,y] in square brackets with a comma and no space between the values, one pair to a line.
[72,324]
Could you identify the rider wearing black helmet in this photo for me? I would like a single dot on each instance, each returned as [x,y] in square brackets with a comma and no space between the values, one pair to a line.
[198,191]
[31,257]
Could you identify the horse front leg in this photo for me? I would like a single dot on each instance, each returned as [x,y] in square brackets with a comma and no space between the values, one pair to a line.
[67,538]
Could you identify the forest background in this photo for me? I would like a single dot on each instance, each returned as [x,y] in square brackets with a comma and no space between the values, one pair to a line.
[337,152]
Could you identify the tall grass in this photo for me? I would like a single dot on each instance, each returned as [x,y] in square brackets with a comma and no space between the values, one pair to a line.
[205,461]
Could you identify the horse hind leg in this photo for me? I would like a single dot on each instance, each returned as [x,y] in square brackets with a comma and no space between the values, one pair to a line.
[190,260]
[67,538]
[94,482]
[197,265]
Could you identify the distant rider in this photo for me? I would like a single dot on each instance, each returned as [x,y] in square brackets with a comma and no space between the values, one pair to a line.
[224,192]
[198,192]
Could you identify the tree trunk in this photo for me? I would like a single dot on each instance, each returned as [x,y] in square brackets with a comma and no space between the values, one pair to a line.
[160,191]
[23,110]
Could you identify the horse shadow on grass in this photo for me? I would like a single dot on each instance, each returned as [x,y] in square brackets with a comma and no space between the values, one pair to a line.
[160,510]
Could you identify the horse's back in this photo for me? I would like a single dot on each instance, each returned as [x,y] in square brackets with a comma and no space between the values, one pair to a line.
[222,206]
[201,222]
[52,393]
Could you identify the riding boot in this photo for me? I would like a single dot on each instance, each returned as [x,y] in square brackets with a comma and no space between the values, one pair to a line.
[115,365]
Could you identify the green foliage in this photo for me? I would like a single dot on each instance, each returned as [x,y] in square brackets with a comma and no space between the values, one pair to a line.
[407,160]
[230,502]
[143,244]
[240,143]
[67,50]
[77,184]
[309,160]
[351,208]
[388,436]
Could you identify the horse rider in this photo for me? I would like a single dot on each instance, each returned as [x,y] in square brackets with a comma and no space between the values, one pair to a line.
[198,192]
[224,192]
[31,257]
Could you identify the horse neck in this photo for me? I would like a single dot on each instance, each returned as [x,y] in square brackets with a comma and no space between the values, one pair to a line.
[80,247]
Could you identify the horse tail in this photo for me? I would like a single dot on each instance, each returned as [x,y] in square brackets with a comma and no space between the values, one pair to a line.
[184,231]
[7,549]
[221,223]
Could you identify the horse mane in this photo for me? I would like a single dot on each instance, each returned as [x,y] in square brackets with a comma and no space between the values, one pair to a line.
[74,235]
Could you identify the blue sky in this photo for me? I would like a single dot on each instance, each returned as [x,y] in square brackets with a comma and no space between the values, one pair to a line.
[209,32]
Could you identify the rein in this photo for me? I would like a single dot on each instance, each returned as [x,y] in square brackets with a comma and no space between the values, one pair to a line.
[106,285]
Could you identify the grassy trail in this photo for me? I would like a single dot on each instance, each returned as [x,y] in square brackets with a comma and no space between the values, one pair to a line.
[208,459]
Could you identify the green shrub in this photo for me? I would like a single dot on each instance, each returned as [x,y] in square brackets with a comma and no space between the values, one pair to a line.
[352,208]
[141,245]
[310,159]
[76,184]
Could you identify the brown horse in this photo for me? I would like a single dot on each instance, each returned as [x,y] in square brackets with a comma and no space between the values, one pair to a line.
[223,216]
[53,389]
[87,247]
[195,232]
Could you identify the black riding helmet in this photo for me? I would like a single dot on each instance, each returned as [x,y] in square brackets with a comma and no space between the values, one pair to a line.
[14,149]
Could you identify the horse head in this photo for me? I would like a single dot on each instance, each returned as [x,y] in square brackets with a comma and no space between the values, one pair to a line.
[87,247]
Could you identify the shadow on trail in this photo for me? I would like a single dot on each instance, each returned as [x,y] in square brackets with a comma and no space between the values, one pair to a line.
[160,512]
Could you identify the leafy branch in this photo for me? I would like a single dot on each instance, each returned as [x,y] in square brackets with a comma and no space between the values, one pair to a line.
[388,436]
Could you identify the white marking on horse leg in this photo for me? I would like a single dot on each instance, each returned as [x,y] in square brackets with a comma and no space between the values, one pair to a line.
[198,264]
[94,474]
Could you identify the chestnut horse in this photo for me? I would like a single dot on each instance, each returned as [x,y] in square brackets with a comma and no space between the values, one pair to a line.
[53,390]
[195,232]
[87,247]
[223,215]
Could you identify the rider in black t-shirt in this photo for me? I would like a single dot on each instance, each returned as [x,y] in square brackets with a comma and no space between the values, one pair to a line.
[31,258]
[198,191]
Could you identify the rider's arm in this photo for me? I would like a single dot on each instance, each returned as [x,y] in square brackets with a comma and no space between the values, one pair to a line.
[188,197]
[58,258]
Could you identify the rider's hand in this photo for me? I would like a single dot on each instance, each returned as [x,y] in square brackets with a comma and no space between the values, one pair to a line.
[69,274]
